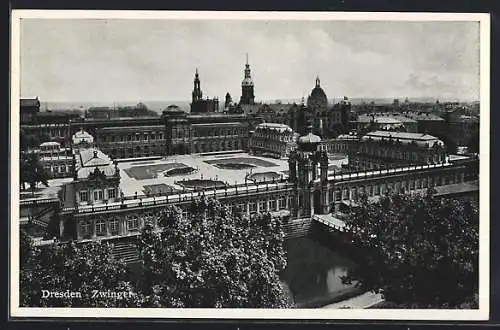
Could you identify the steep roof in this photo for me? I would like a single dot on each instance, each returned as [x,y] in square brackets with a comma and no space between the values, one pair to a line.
[93,157]
[91,160]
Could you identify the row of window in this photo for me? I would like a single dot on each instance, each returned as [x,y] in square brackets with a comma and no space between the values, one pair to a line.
[260,206]
[97,194]
[132,137]
[57,169]
[219,132]
[271,145]
[378,189]
[406,155]
[275,137]
[133,224]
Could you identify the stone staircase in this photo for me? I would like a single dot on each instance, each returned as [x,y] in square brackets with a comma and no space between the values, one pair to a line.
[297,228]
[126,250]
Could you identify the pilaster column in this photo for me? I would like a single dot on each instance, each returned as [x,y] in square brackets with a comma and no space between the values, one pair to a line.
[325,201]
[311,203]
[93,229]
[78,231]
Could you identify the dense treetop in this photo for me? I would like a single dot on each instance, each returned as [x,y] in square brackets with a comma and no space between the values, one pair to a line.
[418,250]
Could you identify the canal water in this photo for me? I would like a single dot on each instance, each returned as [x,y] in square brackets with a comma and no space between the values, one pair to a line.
[312,276]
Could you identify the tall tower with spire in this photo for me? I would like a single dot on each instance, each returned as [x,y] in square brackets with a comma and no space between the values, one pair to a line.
[197,94]
[247,92]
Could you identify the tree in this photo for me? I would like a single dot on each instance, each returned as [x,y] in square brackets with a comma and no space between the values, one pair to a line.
[449,143]
[27,141]
[84,268]
[32,171]
[419,251]
[211,258]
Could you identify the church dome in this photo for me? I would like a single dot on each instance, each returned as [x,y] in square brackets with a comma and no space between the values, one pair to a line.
[318,96]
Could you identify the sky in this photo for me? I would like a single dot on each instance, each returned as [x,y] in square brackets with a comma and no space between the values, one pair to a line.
[69,60]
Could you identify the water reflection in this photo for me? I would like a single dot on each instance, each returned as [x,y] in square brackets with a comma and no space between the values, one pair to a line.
[313,271]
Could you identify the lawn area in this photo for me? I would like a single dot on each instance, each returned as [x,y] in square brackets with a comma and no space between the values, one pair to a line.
[201,184]
[241,160]
[150,171]
[159,189]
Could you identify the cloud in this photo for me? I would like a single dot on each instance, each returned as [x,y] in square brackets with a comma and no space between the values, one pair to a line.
[96,60]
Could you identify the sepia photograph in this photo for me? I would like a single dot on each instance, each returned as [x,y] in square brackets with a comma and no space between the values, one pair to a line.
[249,165]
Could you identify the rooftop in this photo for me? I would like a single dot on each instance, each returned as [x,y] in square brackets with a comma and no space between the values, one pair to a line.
[30,102]
[82,136]
[278,127]
[91,160]
[424,140]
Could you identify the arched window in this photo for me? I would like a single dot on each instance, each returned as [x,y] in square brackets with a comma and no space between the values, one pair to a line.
[346,194]
[338,195]
[100,227]
[133,223]
[85,229]
[114,226]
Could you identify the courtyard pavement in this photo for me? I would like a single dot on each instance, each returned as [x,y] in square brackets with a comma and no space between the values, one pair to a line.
[203,170]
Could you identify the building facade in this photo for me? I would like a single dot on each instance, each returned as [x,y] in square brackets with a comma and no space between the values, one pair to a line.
[383,149]
[57,161]
[346,144]
[274,140]
[96,178]
[28,110]
[132,141]
[100,211]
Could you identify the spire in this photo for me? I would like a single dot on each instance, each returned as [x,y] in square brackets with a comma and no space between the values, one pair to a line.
[197,94]
[247,94]
[247,68]
[317,81]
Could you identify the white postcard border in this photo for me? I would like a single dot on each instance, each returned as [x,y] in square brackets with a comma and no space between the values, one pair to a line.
[321,314]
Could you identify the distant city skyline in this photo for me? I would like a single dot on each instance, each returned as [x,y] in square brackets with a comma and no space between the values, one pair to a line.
[106,61]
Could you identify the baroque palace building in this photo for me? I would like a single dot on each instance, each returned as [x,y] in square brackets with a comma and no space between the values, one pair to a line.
[204,129]
[274,140]
[384,149]
[310,190]
[94,206]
